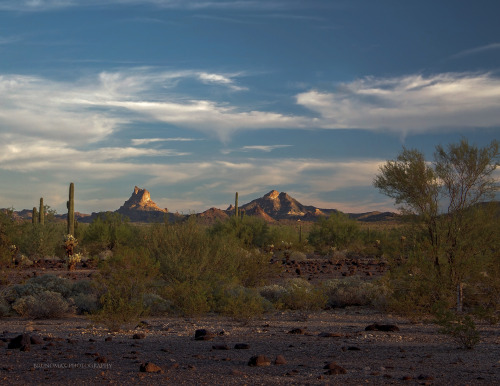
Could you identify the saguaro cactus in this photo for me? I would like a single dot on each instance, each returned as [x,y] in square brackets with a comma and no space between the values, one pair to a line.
[34,215]
[41,213]
[236,205]
[71,210]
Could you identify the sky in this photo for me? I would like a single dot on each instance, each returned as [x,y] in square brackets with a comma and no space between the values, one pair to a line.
[195,100]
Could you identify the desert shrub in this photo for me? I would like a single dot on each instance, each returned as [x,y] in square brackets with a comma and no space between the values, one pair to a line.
[39,284]
[43,305]
[189,298]
[337,230]
[350,292]
[186,252]
[156,304]
[8,231]
[460,327]
[250,231]
[295,294]
[85,303]
[4,304]
[38,241]
[241,303]
[108,231]
[120,283]
[273,293]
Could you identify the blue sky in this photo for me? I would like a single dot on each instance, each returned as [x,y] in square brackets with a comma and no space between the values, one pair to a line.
[195,100]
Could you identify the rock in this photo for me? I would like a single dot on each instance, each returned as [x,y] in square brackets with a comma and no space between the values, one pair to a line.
[280,360]
[353,348]
[108,339]
[149,367]
[423,377]
[101,359]
[22,342]
[330,335]
[382,327]
[36,339]
[203,334]
[334,369]
[297,331]
[241,346]
[259,361]
[139,335]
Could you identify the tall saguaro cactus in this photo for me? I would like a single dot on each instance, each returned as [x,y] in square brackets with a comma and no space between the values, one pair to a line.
[34,215]
[71,209]
[41,212]
[236,205]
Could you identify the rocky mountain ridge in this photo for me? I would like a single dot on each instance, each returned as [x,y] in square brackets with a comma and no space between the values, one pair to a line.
[272,207]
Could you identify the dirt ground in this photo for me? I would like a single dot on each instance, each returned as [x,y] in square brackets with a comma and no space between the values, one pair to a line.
[74,351]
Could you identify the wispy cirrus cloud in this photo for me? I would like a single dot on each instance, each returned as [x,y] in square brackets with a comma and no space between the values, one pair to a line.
[477,50]
[147,141]
[410,104]
[48,5]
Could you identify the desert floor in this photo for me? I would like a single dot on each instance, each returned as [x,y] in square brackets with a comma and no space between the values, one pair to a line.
[73,350]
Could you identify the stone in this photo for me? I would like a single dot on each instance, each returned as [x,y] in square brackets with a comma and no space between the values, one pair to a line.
[108,339]
[36,339]
[22,342]
[259,361]
[334,369]
[242,346]
[101,359]
[297,331]
[203,334]
[149,367]
[280,360]
[330,335]
[139,335]
[382,327]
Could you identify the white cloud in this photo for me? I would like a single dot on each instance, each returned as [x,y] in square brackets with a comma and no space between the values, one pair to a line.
[410,104]
[147,141]
[219,79]
[264,148]
[47,5]
[477,50]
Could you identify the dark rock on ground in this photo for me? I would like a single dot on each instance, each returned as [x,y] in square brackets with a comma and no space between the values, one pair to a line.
[203,334]
[149,367]
[382,327]
[334,369]
[259,361]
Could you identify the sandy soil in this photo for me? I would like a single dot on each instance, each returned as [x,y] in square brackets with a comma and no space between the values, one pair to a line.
[75,351]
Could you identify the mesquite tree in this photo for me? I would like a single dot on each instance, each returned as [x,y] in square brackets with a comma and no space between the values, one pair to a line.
[447,197]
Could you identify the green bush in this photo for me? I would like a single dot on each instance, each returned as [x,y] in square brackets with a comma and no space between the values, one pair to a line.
[351,292]
[460,327]
[189,298]
[156,304]
[40,241]
[337,231]
[121,282]
[43,305]
[241,303]
[295,294]
[250,231]
[109,231]
[39,284]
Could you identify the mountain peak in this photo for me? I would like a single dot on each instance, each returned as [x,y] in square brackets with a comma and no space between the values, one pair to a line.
[273,195]
[141,200]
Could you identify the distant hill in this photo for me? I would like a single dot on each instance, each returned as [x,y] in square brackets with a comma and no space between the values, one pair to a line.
[271,207]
